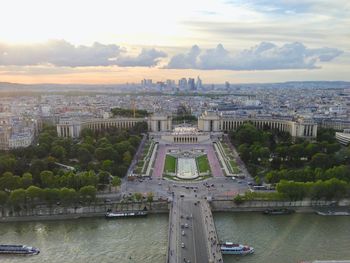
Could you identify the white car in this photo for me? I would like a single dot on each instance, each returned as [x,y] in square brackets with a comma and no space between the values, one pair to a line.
[183,245]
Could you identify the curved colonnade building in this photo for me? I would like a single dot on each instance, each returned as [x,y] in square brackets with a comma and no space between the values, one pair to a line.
[208,122]
[214,122]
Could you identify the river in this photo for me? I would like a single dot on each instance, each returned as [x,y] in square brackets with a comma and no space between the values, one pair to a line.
[276,239]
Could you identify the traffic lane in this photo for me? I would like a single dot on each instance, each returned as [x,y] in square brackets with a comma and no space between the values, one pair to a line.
[189,245]
[199,230]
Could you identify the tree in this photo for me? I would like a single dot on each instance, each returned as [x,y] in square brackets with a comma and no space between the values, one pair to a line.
[59,152]
[107,165]
[18,197]
[282,151]
[248,133]
[52,195]
[134,140]
[7,164]
[8,181]
[296,151]
[104,177]
[335,189]
[116,181]
[67,195]
[320,160]
[106,153]
[3,198]
[244,152]
[327,135]
[257,180]
[332,147]
[34,193]
[293,190]
[340,172]
[27,180]
[122,147]
[84,156]
[36,167]
[127,158]
[86,132]
[311,149]
[150,198]
[47,179]
[273,177]
[121,170]
[138,197]
[238,200]
[88,193]
[317,190]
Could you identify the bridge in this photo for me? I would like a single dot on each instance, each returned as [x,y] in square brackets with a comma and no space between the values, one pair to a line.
[192,233]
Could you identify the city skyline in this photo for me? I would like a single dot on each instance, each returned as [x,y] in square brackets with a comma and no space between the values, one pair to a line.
[236,41]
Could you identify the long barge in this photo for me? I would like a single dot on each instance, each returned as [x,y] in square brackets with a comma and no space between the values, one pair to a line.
[18,250]
[110,215]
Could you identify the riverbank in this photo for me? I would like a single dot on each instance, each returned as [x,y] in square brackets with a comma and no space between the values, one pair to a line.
[307,206]
[44,213]
[162,207]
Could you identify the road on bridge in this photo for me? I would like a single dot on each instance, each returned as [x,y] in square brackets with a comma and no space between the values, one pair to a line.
[190,237]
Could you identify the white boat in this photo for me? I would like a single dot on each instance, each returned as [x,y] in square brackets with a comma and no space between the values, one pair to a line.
[229,248]
[126,214]
[333,213]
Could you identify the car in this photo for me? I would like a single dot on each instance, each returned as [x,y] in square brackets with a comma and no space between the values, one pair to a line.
[187,217]
[108,200]
[183,233]
[159,183]
[250,183]
[182,196]
[183,245]
[186,225]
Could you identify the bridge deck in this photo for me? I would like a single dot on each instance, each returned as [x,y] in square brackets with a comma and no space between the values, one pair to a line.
[192,233]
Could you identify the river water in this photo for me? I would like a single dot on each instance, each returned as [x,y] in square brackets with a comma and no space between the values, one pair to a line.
[276,239]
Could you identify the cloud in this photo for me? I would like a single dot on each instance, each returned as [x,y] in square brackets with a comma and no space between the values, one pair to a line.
[296,7]
[147,58]
[265,56]
[188,60]
[63,54]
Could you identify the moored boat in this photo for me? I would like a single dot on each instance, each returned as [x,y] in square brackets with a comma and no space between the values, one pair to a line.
[126,214]
[229,248]
[18,250]
[333,213]
[278,211]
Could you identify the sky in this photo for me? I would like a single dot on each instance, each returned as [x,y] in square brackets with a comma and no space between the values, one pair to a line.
[116,41]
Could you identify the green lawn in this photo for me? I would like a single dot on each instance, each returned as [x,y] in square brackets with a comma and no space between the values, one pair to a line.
[170,164]
[234,166]
[203,164]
